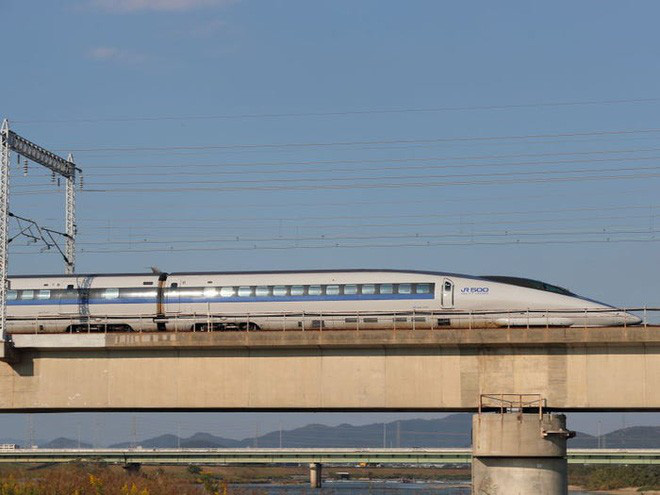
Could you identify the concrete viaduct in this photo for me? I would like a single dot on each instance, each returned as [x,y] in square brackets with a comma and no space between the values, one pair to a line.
[521,449]
[573,369]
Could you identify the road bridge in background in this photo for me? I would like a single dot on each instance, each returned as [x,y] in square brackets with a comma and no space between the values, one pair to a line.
[302,456]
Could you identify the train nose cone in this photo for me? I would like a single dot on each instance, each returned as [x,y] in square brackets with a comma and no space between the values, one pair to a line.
[632,319]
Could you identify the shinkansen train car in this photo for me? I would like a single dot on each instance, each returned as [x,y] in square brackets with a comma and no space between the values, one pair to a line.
[77,303]
[332,299]
[378,299]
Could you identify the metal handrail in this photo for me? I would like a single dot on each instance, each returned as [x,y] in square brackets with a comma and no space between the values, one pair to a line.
[519,401]
[469,318]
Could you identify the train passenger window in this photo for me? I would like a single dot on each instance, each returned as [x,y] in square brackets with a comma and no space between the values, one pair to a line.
[422,288]
[314,290]
[279,290]
[404,289]
[210,292]
[386,288]
[297,290]
[350,289]
[43,294]
[68,294]
[262,291]
[11,295]
[227,292]
[370,320]
[171,293]
[245,291]
[138,293]
[332,290]
[110,294]
[186,292]
[27,294]
[368,289]
[400,319]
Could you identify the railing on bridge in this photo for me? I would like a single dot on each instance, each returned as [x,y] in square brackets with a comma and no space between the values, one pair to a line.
[511,403]
[357,320]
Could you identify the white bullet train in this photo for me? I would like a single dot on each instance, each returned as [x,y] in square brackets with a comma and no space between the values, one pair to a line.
[286,300]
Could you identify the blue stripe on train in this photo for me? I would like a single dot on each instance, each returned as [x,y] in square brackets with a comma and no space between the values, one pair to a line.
[186,300]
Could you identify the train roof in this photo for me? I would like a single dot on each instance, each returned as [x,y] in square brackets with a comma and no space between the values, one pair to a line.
[244,272]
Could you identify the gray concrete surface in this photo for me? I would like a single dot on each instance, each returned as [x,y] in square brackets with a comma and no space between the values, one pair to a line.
[574,369]
[519,454]
[342,338]
[315,475]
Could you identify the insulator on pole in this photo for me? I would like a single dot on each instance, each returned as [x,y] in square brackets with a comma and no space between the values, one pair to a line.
[81,181]
[25,167]
[52,177]
[58,182]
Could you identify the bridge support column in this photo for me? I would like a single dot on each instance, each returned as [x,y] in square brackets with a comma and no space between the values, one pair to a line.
[519,453]
[315,475]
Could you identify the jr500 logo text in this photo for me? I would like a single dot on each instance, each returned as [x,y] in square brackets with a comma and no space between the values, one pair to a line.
[474,290]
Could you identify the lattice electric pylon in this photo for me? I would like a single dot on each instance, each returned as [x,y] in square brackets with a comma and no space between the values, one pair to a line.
[10,141]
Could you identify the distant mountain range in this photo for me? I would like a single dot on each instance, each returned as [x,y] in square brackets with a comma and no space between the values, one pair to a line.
[451,431]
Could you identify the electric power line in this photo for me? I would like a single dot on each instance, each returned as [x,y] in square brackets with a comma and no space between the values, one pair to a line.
[124,119]
[360,226]
[219,171]
[371,236]
[322,144]
[371,245]
[462,214]
[324,180]
[389,185]
[377,160]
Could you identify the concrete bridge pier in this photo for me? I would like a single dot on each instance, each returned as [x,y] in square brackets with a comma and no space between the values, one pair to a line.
[519,453]
[315,475]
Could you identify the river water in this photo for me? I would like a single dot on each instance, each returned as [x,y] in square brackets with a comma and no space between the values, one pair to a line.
[447,487]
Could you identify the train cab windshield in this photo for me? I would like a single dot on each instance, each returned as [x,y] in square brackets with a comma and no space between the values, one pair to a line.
[528,283]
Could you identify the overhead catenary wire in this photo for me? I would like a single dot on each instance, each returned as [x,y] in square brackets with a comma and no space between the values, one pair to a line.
[184,226]
[343,113]
[389,148]
[219,171]
[287,203]
[322,144]
[463,214]
[371,236]
[367,178]
[410,159]
[324,186]
[365,245]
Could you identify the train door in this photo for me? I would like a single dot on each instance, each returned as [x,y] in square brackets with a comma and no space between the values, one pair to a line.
[172,298]
[447,295]
[68,301]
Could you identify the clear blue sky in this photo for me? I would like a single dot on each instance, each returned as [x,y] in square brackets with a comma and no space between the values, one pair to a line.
[476,137]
